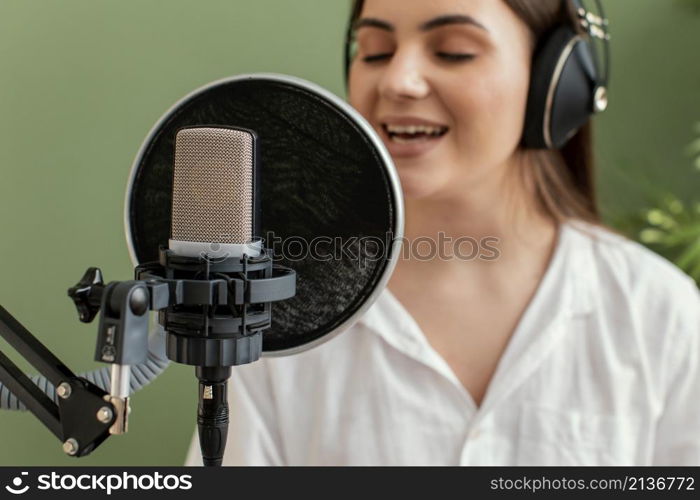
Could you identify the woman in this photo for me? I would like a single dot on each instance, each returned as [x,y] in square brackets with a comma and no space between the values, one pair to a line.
[573,347]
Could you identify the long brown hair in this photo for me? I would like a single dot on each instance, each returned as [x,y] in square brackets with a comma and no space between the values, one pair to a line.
[563,180]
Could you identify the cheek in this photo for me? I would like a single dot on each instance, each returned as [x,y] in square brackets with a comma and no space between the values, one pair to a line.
[491,106]
[361,95]
[508,96]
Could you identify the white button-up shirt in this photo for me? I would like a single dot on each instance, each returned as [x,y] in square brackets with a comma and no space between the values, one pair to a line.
[602,369]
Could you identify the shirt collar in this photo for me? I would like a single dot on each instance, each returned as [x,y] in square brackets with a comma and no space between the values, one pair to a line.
[566,288]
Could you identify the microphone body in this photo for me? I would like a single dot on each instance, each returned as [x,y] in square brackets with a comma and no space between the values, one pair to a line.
[215,218]
[215,282]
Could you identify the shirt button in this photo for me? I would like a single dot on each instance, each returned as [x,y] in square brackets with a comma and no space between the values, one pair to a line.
[475,434]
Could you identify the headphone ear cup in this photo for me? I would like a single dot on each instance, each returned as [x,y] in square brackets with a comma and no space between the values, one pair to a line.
[562,86]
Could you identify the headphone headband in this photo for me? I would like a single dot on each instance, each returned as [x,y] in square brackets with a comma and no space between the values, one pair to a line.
[596,27]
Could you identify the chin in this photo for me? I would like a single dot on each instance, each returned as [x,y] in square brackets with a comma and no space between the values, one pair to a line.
[418,185]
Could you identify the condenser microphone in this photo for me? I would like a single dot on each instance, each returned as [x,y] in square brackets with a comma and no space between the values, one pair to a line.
[216,193]
[215,218]
[214,283]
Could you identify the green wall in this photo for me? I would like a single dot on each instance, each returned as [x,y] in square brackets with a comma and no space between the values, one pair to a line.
[82,82]
[655,101]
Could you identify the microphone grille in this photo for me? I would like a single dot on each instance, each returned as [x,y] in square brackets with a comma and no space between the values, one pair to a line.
[213,186]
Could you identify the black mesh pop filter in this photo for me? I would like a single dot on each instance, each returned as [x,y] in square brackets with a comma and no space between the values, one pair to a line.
[331,201]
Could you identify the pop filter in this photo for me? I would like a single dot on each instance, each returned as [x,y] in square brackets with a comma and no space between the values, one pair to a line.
[331,201]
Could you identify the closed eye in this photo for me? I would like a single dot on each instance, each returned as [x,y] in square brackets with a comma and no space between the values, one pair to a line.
[452,57]
[377,57]
[446,56]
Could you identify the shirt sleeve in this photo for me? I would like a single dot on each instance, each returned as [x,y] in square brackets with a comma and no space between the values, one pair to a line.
[253,435]
[678,430]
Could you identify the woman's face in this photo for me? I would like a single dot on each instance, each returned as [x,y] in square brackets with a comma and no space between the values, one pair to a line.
[445,84]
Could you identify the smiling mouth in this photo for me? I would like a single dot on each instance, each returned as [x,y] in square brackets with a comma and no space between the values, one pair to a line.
[405,134]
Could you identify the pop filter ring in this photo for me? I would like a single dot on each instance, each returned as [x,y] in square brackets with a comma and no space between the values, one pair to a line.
[359,123]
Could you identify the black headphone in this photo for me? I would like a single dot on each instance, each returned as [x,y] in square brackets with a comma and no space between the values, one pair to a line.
[568,83]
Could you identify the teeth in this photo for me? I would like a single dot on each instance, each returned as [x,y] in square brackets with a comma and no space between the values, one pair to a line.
[401,140]
[414,129]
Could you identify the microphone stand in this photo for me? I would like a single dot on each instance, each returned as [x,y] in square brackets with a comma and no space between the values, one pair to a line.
[85,415]
[214,313]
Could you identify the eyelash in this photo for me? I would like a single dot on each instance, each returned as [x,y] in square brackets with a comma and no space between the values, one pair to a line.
[455,57]
[376,58]
[443,55]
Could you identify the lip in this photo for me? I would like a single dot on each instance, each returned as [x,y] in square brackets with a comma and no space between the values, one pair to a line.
[413,149]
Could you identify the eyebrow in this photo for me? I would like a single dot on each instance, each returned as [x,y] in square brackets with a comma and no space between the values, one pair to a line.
[438,22]
[371,22]
[451,19]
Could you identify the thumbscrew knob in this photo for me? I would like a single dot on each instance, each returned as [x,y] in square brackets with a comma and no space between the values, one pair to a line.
[87,294]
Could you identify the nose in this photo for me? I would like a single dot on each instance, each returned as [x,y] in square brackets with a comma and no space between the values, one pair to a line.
[404,77]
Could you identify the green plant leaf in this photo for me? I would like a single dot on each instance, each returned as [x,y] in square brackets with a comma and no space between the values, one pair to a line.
[669,226]
[694,147]
[690,258]
[651,236]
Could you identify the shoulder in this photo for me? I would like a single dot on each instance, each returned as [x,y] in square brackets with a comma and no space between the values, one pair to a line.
[628,274]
